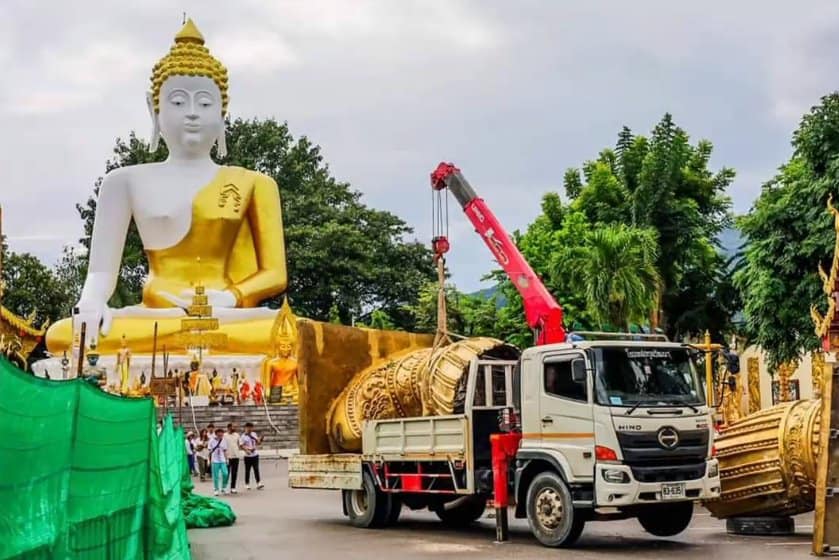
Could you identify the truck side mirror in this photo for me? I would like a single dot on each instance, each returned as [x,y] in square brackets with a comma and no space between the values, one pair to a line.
[578,371]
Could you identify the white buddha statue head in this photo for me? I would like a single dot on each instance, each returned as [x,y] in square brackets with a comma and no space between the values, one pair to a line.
[188,98]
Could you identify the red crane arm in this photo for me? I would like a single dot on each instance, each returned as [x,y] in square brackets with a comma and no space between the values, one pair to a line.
[542,311]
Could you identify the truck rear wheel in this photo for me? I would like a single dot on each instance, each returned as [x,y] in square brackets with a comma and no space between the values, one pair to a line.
[463,513]
[666,520]
[369,507]
[550,511]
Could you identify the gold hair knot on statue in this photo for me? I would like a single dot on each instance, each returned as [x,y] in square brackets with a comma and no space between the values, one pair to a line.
[189,57]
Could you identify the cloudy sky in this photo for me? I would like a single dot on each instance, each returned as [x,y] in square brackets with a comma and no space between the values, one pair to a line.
[513,92]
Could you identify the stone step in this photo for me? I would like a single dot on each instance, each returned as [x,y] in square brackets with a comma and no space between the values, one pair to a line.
[284,417]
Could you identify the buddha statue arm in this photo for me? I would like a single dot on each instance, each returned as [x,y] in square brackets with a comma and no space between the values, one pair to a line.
[266,223]
[113,214]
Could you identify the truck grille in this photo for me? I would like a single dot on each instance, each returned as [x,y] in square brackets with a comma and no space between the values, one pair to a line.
[642,449]
[669,473]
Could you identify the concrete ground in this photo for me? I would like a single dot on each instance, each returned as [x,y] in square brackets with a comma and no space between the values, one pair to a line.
[278,522]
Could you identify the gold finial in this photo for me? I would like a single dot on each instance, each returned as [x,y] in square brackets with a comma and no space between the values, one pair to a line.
[189,34]
[189,57]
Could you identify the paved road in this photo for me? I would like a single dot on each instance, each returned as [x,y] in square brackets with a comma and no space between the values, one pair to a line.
[281,523]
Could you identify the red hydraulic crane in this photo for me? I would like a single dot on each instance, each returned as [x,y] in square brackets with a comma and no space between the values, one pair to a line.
[543,313]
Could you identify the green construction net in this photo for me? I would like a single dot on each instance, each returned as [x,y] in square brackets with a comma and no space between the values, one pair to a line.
[84,475]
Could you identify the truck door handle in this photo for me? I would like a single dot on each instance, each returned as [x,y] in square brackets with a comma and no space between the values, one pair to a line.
[547,420]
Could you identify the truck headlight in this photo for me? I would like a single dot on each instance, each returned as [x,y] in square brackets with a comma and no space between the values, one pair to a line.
[615,476]
[713,470]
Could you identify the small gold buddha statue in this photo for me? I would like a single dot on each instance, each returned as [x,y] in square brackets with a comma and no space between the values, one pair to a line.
[280,373]
[185,207]
[123,366]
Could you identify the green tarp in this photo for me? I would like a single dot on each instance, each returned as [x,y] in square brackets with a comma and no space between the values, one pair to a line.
[84,475]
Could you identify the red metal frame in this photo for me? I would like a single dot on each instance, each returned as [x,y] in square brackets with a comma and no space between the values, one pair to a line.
[542,311]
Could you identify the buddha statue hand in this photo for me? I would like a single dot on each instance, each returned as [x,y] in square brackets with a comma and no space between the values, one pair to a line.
[92,315]
[216,298]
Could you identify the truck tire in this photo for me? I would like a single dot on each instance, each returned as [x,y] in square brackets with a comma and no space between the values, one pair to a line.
[666,520]
[550,511]
[395,511]
[464,513]
[369,507]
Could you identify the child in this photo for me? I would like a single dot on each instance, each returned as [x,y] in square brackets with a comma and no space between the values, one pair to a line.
[218,460]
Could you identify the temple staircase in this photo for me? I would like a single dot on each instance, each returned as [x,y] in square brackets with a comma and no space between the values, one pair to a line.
[284,417]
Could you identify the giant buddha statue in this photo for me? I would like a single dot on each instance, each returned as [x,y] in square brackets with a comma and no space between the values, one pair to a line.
[186,207]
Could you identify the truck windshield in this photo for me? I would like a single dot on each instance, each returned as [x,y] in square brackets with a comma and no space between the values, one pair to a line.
[646,376]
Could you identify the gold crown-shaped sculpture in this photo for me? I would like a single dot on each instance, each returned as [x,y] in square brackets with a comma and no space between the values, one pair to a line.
[189,57]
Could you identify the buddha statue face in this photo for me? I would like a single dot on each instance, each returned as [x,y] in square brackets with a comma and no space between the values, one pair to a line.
[284,348]
[190,115]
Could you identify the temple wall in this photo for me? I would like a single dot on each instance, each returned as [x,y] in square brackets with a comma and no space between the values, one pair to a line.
[803,374]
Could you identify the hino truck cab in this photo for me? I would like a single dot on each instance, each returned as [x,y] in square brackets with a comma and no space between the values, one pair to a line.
[611,429]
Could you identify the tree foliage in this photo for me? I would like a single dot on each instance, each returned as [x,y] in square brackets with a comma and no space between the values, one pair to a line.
[663,183]
[787,235]
[616,269]
[31,287]
[343,257]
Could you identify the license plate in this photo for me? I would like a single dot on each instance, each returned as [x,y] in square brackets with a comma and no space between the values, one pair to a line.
[672,491]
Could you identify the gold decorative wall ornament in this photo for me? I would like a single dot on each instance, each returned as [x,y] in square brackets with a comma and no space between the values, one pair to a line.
[817,373]
[828,281]
[753,373]
[415,383]
[189,57]
[768,462]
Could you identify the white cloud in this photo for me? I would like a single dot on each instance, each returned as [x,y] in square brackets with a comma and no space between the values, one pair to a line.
[514,92]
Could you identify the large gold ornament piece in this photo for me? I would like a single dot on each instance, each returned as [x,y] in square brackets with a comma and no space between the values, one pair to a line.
[416,383]
[189,57]
[768,462]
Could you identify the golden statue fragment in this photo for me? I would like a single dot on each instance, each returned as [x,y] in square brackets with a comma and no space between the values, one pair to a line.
[280,373]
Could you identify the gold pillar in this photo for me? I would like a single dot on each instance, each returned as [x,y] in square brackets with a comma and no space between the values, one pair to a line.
[753,372]
[709,371]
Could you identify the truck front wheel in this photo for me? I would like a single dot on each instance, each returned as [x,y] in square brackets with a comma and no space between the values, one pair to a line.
[369,507]
[550,511]
[666,520]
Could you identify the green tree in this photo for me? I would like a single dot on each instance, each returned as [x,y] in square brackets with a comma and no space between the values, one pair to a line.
[787,236]
[467,314]
[616,269]
[31,287]
[343,257]
[663,182]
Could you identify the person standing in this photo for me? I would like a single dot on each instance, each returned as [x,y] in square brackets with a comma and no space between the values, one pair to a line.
[249,441]
[202,451]
[218,460]
[234,453]
[190,452]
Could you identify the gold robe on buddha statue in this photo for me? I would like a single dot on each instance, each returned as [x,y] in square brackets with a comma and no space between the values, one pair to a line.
[237,232]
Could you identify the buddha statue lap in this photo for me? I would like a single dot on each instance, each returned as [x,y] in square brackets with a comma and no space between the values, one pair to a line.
[185,207]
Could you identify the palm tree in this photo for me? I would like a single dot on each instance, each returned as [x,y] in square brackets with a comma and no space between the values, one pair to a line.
[616,268]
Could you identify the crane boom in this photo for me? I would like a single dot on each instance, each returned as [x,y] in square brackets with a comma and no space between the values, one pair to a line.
[543,313]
